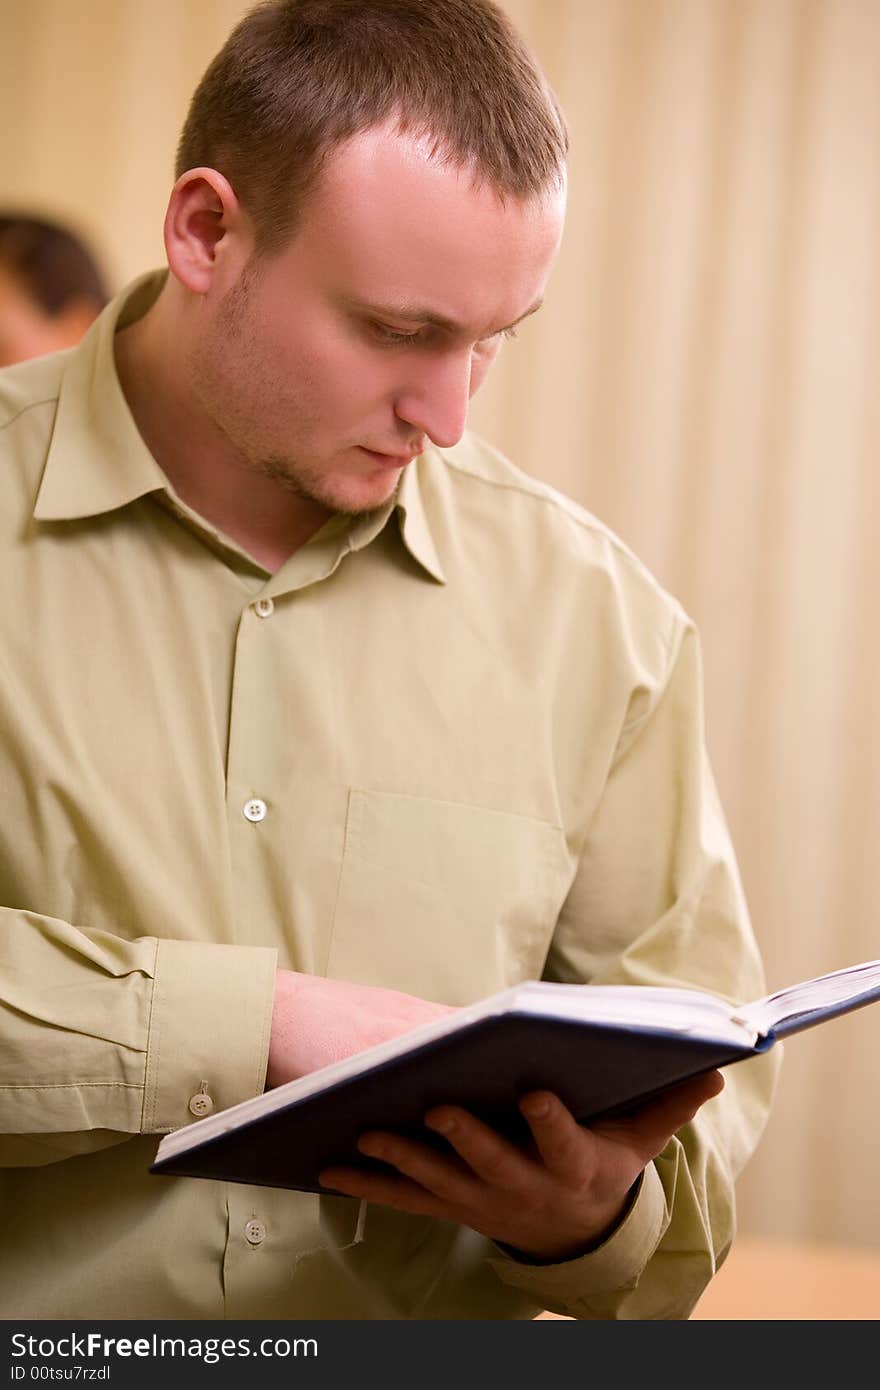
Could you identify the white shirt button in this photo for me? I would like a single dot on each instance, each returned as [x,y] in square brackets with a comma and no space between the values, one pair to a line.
[254,1232]
[254,810]
[201,1104]
[264,608]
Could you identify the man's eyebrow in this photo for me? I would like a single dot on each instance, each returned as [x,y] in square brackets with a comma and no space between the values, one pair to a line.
[414,313]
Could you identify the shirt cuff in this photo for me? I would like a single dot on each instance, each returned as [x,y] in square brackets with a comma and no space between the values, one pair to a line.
[571,1286]
[210,1021]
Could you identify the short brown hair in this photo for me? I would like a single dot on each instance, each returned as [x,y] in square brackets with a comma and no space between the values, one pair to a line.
[50,262]
[298,77]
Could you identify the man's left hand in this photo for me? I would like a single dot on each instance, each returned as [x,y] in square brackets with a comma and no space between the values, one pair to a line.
[553,1199]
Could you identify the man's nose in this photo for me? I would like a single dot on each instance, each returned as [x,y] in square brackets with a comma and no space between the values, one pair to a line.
[435,399]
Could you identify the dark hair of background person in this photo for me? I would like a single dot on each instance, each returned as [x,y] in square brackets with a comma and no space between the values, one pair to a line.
[298,77]
[50,263]
[51,288]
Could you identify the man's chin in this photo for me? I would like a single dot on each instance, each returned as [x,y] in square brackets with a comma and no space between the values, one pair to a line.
[356,496]
[348,494]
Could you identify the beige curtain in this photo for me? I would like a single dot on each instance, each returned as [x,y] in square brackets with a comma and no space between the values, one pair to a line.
[703,377]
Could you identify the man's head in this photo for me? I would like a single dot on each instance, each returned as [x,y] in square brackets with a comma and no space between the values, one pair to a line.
[297,78]
[50,287]
[379,200]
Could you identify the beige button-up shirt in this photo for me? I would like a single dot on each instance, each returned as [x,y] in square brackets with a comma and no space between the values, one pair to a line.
[443,749]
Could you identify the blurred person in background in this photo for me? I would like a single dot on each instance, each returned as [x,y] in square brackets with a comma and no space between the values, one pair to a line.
[51,288]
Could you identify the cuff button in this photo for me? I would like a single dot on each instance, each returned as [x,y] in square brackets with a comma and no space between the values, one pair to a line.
[201,1104]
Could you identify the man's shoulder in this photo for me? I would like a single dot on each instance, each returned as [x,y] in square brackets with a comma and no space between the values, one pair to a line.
[532,513]
[519,495]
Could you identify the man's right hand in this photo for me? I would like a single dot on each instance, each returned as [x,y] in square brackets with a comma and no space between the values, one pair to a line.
[316,1021]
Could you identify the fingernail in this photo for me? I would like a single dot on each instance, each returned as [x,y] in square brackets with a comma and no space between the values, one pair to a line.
[444,1124]
[538,1109]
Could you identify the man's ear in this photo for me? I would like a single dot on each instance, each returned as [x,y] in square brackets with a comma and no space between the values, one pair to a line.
[205,229]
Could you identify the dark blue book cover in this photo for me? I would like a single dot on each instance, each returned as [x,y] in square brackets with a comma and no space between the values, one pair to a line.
[599,1048]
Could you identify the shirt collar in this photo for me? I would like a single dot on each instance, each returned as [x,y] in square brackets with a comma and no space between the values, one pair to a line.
[415,531]
[97,461]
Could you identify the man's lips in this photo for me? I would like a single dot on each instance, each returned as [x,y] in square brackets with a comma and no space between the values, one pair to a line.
[388,460]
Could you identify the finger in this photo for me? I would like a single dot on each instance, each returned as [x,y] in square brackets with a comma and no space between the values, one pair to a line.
[651,1127]
[563,1144]
[492,1158]
[681,1103]
[443,1175]
[382,1190]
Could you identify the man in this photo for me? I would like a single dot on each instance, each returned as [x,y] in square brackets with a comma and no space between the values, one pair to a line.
[51,289]
[324,719]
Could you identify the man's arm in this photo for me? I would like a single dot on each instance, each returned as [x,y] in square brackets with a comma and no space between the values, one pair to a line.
[658,900]
[102,1037]
[316,1021]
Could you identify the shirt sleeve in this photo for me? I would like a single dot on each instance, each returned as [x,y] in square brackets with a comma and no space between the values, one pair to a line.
[102,1037]
[657,900]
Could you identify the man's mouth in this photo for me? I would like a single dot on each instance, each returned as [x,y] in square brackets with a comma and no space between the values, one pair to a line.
[384,460]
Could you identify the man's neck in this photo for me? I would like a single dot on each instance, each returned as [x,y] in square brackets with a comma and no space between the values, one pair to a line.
[267,520]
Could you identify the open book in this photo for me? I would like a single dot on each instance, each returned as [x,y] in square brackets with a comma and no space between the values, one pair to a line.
[601,1048]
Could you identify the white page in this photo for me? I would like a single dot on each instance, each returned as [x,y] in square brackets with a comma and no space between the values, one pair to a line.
[815,996]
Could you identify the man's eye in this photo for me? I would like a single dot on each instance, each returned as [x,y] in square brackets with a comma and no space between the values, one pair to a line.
[494,343]
[391,336]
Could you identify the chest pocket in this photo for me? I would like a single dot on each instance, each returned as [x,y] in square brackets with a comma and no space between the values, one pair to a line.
[444,900]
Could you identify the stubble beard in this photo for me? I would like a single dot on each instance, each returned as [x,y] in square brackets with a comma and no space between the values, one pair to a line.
[286,474]
[218,397]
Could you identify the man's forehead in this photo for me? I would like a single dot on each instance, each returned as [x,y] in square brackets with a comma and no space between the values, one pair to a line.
[396,141]
[396,227]
[390,158]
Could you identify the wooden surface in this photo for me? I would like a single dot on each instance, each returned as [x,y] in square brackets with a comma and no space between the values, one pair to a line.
[780,1281]
[769,1280]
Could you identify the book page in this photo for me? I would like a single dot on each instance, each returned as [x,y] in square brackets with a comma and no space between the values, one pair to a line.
[646,1007]
[811,1001]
